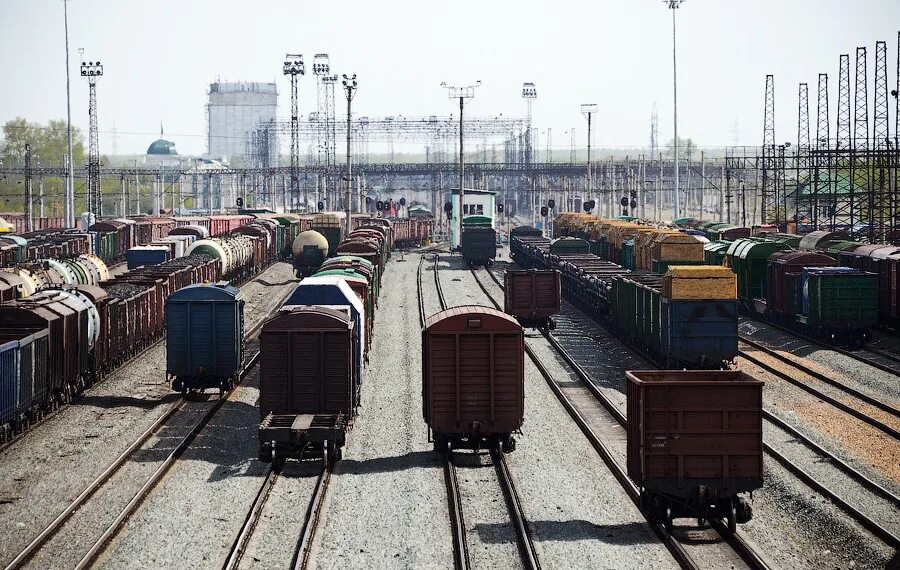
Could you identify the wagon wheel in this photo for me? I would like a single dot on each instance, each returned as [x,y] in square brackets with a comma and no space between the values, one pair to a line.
[732,516]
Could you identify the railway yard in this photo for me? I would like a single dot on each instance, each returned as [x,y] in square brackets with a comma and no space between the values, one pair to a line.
[131,475]
[322,337]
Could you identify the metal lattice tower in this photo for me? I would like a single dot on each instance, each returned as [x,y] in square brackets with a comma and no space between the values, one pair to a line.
[861,103]
[330,126]
[880,126]
[880,187]
[92,71]
[770,186]
[843,116]
[823,133]
[294,67]
[823,130]
[529,93]
[803,145]
[654,134]
[321,69]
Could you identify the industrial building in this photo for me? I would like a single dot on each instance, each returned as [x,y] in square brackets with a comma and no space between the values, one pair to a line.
[234,112]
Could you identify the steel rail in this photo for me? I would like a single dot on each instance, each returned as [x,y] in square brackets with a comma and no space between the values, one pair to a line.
[867,522]
[517,513]
[871,400]
[311,521]
[821,395]
[239,545]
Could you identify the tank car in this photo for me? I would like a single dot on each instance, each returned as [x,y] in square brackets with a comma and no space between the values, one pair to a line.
[310,249]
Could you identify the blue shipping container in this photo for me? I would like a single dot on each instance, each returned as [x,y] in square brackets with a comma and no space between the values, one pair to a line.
[204,335]
[701,333]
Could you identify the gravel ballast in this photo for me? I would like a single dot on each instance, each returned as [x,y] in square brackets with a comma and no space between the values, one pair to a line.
[579,514]
[387,505]
[791,522]
[41,472]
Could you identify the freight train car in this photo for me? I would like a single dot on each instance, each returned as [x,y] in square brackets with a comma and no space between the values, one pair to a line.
[473,383]
[69,335]
[204,337]
[694,443]
[308,384]
[533,297]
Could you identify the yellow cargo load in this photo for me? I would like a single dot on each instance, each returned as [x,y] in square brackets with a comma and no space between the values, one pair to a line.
[699,282]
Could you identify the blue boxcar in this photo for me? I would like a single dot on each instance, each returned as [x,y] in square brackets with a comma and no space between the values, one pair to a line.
[698,334]
[204,337]
[335,291]
[147,255]
[9,379]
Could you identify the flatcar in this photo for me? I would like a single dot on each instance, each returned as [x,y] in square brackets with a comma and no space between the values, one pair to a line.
[473,379]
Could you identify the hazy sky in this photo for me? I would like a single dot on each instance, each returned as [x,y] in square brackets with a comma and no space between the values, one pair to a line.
[160,55]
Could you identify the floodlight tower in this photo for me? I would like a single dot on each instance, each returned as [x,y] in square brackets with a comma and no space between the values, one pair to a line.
[321,69]
[674,5]
[588,109]
[93,70]
[349,90]
[330,124]
[461,93]
[529,93]
[294,67]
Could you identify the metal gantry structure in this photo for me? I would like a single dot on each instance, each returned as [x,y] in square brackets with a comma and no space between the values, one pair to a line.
[847,183]
[92,71]
[294,68]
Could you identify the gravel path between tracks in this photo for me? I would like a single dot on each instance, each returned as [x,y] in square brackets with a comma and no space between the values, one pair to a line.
[846,369]
[578,512]
[387,506]
[44,470]
[191,518]
[820,535]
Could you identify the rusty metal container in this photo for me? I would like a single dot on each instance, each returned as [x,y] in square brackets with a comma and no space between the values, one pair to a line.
[473,377]
[532,296]
[695,441]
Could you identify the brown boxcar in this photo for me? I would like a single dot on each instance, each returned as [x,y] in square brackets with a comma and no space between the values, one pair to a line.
[307,384]
[533,296]
[695,442]
[473,378]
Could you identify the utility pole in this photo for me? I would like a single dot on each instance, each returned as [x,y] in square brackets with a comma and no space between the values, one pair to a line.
[673,5]
[588,109]
[350,90]
[70,169]
[461,93]
[29,209]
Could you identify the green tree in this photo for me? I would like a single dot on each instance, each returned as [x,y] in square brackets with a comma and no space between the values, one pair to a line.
[49,142]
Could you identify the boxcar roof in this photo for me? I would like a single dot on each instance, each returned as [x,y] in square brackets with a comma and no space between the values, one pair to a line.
[457,319]
[207,292]
[308,317]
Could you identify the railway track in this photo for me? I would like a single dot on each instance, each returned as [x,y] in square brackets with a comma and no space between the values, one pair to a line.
[613,430]
[57,524]
[525,543]
[889,498]
[74,397]
[806,370]
[874,357]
